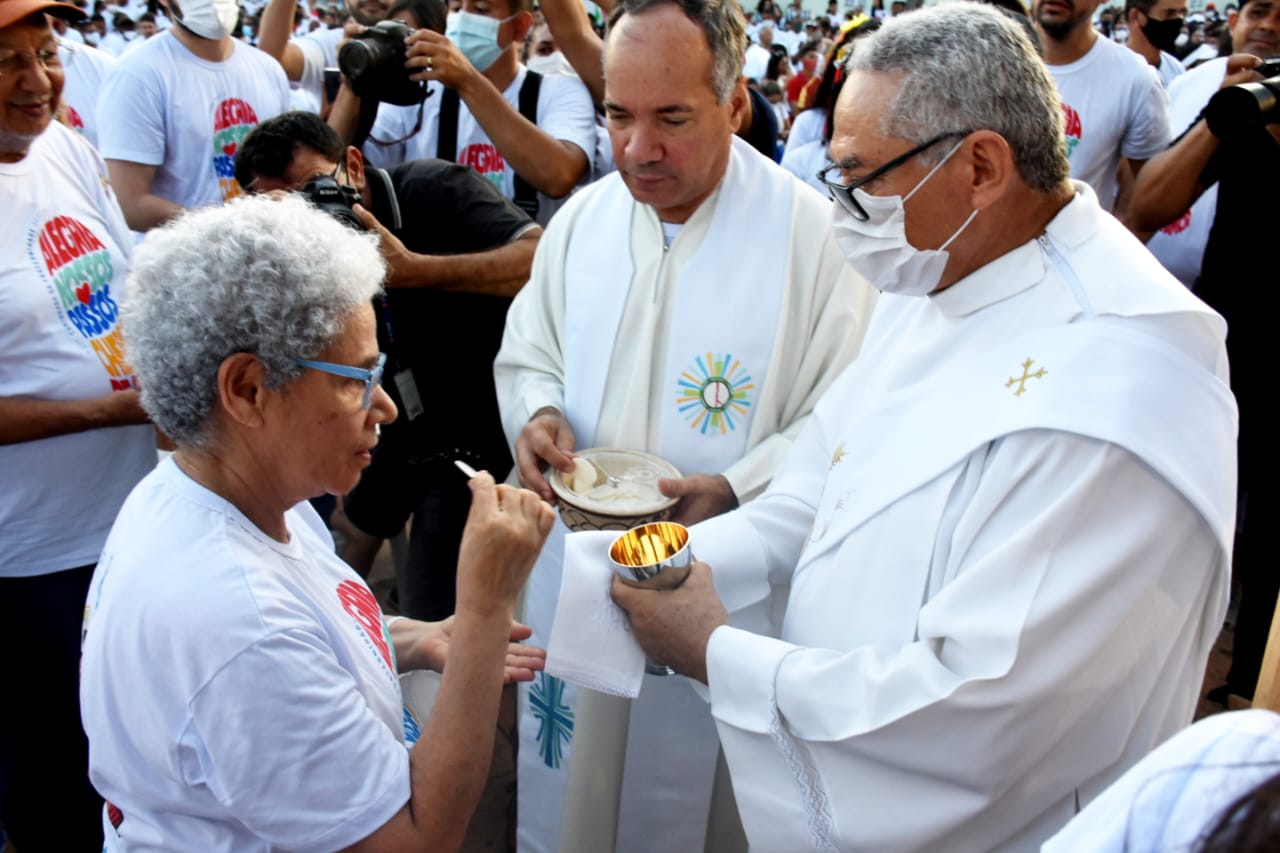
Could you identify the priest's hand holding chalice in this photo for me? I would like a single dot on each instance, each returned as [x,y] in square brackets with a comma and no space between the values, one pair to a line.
[668,596]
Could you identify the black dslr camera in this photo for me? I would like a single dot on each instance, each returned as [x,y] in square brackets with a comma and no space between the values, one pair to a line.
[373,63]
[333,198]
[1246,105]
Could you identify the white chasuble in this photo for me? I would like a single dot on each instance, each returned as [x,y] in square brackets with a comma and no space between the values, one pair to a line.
[709,353]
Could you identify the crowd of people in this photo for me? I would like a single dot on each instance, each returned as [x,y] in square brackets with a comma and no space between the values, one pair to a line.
[977,280]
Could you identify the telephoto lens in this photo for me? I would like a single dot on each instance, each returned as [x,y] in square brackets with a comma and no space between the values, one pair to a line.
[373,63]
[1237,108]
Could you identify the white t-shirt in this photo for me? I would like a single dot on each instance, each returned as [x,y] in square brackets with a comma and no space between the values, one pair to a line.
[564,111]
[808,126]
[164,106]
[319,51]
[115,42]
[239,694]
[84,70]
[1203,53]
[1114,107]
[756,62]
[1169,69]
[1180,244]
[788,39]
[805,161]
[64,254]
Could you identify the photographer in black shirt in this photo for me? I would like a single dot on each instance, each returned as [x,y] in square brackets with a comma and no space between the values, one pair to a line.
[1235,144]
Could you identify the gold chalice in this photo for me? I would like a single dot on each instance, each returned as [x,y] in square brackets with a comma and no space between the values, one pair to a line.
[653,556]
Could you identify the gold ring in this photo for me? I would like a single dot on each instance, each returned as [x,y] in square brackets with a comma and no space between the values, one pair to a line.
[428,63]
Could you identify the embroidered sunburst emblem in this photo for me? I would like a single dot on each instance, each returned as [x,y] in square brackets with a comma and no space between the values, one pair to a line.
[714,393]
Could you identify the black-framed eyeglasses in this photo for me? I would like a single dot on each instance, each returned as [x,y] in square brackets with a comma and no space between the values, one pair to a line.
[843,193]
[370,377]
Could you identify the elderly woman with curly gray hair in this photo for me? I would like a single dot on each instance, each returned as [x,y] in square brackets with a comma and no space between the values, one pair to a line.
[239,681]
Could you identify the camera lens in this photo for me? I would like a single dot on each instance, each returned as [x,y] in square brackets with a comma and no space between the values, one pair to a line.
[359,56]
[1252,102]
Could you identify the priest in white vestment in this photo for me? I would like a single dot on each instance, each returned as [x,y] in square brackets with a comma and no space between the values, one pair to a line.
[1006,527]
[702,258]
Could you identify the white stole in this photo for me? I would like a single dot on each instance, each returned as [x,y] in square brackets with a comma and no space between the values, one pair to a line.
[722,336]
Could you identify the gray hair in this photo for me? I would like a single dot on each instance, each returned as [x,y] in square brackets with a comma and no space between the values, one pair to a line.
[721,21]
[968,66]
[275,277]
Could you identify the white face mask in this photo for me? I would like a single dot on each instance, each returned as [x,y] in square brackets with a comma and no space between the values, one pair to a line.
[878,248]
[553,63]
[211,19]
[476,36]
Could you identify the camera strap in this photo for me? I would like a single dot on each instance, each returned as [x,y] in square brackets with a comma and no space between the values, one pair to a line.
[526,197]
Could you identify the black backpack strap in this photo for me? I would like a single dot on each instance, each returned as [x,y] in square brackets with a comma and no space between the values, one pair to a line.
[526,196]
[364,121]
[447,138]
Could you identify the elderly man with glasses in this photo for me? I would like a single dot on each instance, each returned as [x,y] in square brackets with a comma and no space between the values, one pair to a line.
[1007,526]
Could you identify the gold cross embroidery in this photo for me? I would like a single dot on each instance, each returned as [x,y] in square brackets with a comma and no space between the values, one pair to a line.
[1021,381]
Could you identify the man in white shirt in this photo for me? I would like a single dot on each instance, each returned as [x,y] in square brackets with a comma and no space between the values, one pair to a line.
[174,110]
[1154,27]
[85,69]
[1115,108]
[1231,150]
[475,81]
[305,58]
[698,248]
[756,61]
[1006,569]
[124,32]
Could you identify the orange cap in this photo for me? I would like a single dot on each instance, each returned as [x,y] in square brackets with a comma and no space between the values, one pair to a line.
[12,11]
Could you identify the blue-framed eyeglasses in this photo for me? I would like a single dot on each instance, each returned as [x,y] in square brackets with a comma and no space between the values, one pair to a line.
[843,193]
[370,377]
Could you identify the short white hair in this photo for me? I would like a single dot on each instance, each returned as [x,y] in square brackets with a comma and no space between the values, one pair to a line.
[271,276]
[969,66]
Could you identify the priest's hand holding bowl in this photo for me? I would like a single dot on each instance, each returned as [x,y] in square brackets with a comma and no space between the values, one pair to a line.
[702,496]
[675,625]
[546,438]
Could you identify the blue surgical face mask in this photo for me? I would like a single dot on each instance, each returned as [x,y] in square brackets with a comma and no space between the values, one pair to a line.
[476,36]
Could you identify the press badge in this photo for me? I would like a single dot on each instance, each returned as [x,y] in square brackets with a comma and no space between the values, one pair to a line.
[409,394]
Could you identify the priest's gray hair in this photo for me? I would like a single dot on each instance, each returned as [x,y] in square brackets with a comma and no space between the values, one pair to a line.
[968,66]
[275,277]
[724,26]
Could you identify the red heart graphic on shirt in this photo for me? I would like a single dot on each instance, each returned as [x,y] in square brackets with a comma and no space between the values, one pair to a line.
[229,150]
[82,293]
